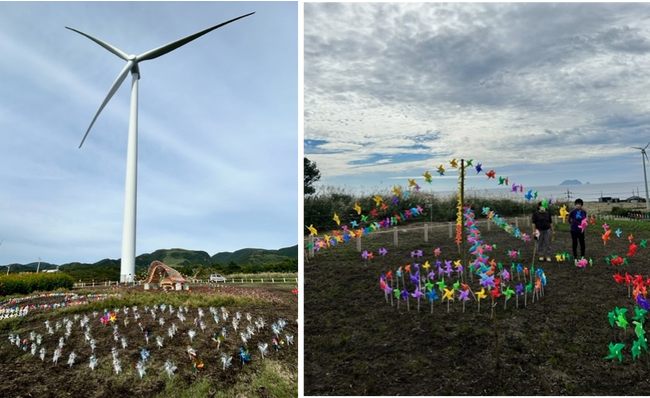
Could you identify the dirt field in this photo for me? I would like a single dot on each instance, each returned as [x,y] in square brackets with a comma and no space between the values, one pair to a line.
[358,344]
[25,375]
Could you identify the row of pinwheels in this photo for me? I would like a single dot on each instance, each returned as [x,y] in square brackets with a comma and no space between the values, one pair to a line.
[364,225]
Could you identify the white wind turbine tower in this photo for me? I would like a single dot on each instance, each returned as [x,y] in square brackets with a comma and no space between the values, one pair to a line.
[127,269]
[644,156]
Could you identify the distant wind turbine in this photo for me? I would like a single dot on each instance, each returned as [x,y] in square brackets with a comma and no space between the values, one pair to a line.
[38,267]
[644,156]
[127,269]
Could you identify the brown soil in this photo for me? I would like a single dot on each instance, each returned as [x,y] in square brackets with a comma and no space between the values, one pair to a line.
[24,375]
[358,344]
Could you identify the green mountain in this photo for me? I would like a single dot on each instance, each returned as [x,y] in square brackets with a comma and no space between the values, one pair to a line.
[179,258]
[256,256]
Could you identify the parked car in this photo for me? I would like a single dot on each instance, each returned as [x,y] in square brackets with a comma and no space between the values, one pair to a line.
[635,199]
[216,278]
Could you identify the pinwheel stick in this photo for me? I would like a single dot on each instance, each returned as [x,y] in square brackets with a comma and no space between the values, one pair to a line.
[397,283]
[391,289]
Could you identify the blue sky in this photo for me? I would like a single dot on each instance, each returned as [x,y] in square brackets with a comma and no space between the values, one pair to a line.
[539,92]
[218,129]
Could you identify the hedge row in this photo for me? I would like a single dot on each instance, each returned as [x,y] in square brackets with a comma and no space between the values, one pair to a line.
[28,283]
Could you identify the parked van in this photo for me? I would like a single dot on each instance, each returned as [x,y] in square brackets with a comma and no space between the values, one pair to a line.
[216,278]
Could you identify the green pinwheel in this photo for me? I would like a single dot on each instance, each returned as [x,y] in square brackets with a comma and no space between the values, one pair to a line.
[638,329]
[643,243]
[639,314]
[615,351]
[429,286]
[397,293]
[441,285]
[636,348]
[508,293]
[621,320]
[456,285]
[612,317]
[529,287]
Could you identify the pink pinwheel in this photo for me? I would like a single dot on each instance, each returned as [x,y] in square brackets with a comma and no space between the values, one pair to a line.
[582,263]
[583,224]
[506,275]
[605,226]
[437,252]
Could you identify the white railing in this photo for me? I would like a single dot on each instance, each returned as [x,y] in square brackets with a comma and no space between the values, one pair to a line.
[195,281]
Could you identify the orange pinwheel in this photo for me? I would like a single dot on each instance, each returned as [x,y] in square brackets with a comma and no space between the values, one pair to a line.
[630,238]
[606,236]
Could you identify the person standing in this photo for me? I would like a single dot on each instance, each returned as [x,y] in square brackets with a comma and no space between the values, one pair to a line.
[543,230]
[576,216]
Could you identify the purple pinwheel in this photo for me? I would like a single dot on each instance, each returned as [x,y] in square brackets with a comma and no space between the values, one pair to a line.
[395,200]
[414,279]
[487,280]
[506,275]
[383,251]
[520,289]
[464,295]
[417,293]
[643,303]
[405,294]
[365,254]
[432,275]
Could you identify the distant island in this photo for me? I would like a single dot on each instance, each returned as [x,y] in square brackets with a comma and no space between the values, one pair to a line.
[571,182]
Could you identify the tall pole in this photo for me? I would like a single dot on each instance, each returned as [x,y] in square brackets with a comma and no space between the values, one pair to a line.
[645,178]
[127,267]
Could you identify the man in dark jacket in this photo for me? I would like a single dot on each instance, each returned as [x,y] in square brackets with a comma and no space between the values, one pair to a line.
[543,230]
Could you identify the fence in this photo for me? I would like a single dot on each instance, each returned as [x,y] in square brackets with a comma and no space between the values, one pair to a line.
[451,226]
[193,281]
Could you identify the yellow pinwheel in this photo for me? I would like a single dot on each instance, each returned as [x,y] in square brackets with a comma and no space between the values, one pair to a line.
[412,183]
[312,230]
[563,212]
[397,190]
[449,294]
[427,176]
[378,199]
[357,208]
[426,265]
[454,163]
[481,295]
[336,218]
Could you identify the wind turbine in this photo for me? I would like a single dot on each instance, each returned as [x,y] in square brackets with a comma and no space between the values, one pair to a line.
[644,156]
[127,269]
[38,267]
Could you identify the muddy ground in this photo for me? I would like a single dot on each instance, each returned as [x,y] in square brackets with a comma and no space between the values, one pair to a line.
[358,344]
[25,375]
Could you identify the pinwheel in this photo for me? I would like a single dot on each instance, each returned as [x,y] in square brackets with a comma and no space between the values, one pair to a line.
[630,238]
[479,168]
[502,180]
[453,163]
[529,196]
[490,174]
[437,252]
[606,236]
[383,251]
[441,170]
[592,220]
[582,263]
[642,302]
[639,314]
[508,293]
[618,232]
[563,212]
[636,348]
[643,243]
[312,230]
[615,351]
[464,296]
[449,296]
[583,224]
[427,177]
[632,250]
[336,219]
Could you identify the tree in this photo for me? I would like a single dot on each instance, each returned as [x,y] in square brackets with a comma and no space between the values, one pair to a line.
[312,175]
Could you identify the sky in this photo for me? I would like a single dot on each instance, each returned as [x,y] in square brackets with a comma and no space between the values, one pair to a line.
[218,166]
[538,92]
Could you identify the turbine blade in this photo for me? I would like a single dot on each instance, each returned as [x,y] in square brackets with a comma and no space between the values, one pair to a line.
[162,50]
[646,145]
[116,85]
[107,46]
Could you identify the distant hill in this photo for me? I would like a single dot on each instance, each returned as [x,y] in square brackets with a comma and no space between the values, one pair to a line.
[571,182]
[181,257]
[256,256]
